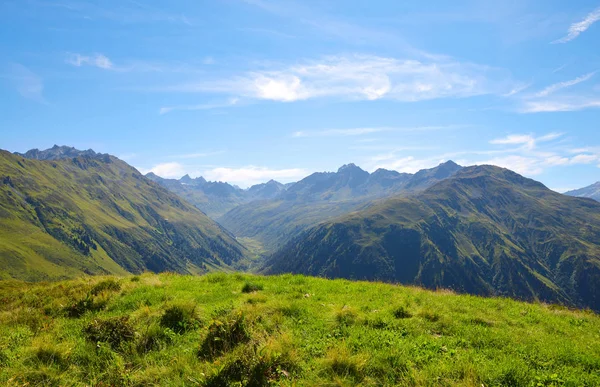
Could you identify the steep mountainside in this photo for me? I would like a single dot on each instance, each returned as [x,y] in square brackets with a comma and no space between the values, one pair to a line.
[96,214]
[486,230]
[322,196]
[592,191]
[216,198]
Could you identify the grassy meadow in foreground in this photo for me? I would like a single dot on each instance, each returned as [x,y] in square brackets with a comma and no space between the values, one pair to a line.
[237,329]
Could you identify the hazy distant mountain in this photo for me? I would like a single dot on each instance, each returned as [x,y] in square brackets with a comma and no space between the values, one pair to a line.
[322,196]
[266,190]
[57,153]
[216,198]
[485,230]
[592,191]
[80,212]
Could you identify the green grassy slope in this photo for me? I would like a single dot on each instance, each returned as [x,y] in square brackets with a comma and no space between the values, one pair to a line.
[485,231]
[229,330]
[63,218]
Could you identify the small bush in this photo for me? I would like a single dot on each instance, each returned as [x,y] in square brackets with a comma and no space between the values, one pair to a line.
[401,312]
[224,335]
[109,285]
[88,304]
[180,318]
[264,367]
[135,278]
[250,287]
[114,331]
[156,338]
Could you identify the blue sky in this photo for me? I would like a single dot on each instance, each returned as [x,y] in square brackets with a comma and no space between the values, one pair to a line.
[246,91]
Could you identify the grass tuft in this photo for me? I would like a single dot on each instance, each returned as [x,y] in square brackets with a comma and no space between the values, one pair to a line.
[251,287]
[224,335]
[114,331]
[109,285]
[401,312]
[180,318]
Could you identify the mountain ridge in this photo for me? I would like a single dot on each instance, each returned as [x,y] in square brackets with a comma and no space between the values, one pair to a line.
[321,196]
[94,213]
[591,191]
[486,230]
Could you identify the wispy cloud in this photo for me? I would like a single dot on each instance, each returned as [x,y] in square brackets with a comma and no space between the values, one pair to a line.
[526,140]
[208,106]
[171,170]
[95,60]
[563,104]
[243,176]
[534,156]
[250,175]
[28,84]
[362,131]
[197,155]
[518,89]
[131,12]
[577,28]
[360,77]
[561,85]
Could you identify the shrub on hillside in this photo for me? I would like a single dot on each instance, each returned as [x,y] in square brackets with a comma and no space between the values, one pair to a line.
[113,331]
[109,285]
[87,304]
[180,318]
[250,287]
[401,312]
[155,338]
[224,335]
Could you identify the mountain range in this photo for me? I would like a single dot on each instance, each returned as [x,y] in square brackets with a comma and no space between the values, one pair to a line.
[215,198]
[481,229]
[64,213]
[484,230]
[323,196]
[591,191]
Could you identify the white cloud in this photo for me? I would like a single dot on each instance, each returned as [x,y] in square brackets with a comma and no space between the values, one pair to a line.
[361,131]
[207,106]
[339,132]
[527,140]
[521,164]
[28,84]
[197,155]
[250,175]
[577,28]
[533,164]
[516,139]
[170,170]
[408,164]
[96,60]
[560,105]
[517,89]
[561,85]
[361,77]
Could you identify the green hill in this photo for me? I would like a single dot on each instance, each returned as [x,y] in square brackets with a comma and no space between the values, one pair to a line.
[242,330]
[95,214]
[486,230]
